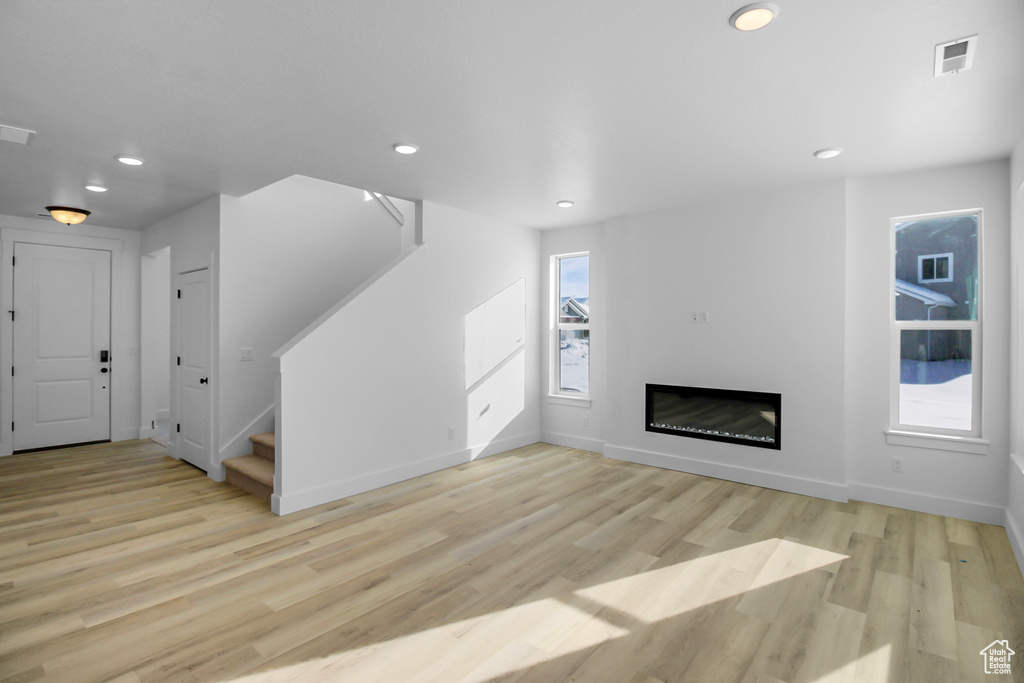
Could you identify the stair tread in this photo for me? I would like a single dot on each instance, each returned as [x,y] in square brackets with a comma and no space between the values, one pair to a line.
[254,467]
[265,439]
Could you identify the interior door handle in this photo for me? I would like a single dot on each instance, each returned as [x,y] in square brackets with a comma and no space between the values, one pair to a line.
[204,380]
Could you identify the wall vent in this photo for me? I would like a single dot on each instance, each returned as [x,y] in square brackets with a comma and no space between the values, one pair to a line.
[955,56]
[19,136]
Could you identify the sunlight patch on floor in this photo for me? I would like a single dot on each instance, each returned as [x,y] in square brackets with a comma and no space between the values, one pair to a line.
[565,619]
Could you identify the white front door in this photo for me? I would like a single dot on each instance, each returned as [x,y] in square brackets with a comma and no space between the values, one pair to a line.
[61,333]
[192,432]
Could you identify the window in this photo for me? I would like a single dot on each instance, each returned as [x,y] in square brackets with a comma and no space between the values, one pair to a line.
[571,369]
[935,268]
[936,324]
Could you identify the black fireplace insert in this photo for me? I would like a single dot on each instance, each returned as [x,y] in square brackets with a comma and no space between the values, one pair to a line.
[751,418]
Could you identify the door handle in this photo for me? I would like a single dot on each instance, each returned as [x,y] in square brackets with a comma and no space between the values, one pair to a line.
[204,380]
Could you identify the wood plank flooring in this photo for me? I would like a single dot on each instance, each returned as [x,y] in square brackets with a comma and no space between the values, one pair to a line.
[118,563]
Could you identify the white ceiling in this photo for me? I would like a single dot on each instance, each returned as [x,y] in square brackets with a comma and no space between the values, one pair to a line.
[619,106]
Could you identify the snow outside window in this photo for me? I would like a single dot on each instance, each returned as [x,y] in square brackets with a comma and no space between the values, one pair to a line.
[571,372]
[936,324]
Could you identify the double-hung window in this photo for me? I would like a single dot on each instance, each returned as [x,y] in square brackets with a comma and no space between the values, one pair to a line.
[571,359]
[936,324]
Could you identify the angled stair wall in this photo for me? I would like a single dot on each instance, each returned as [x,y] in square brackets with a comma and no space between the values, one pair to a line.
[374,392]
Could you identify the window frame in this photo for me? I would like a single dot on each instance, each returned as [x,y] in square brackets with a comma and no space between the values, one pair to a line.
[898,432]
[920,267]
[555,392]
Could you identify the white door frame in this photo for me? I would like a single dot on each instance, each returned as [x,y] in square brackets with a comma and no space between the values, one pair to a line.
[216,471]
[8,236]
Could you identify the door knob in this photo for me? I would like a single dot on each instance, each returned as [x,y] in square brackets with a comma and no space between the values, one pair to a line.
[204,380]
[104,370]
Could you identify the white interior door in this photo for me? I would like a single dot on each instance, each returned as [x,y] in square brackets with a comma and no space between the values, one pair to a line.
[192,435]
[61,329]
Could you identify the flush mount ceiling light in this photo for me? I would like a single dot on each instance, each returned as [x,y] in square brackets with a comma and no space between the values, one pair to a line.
[67,214]
[130,161]
[755,16]
[95,188]
[405,148]
[565,203]
[828,152]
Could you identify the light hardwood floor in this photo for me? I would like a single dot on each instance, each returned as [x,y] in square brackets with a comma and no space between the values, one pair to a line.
[118,563]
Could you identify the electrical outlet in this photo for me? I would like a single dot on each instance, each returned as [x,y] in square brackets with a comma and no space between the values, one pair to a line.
[586,420]
[704,316]
[451,433]
[247,354]
[897,464]
[694,317]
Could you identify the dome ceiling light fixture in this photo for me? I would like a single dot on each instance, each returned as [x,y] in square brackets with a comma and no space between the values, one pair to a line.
[755,16]
[96,188]
[68,215]
[130,161]
[828,152]
[405,148]
[565,203]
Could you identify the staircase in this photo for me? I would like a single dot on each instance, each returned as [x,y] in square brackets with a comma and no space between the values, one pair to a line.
[254,473]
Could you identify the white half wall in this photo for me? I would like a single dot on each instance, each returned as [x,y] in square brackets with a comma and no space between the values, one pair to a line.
[288,253]
[376,393]
[965,485]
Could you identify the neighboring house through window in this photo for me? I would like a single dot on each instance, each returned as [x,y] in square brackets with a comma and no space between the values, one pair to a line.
[571,369]
[936,324]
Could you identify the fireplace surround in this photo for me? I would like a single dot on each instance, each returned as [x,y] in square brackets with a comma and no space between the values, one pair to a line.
[750,418]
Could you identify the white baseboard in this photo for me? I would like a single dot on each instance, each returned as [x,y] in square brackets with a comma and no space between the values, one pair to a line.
[935,505]
[301,500]
[1013,531]
[571,441]
[771,480]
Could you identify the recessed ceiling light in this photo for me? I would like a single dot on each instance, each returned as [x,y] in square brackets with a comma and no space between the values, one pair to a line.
[565,203]
[405,148]
[755,16]
[95,188]
[828,152]
[130,161]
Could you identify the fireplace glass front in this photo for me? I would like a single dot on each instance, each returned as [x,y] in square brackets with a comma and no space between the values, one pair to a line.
[751,418]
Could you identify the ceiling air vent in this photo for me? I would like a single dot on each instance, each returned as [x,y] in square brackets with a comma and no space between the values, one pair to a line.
[955,56]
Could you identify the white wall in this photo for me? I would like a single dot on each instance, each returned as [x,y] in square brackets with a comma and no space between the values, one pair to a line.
[1015,467]
[368,397]
[964,485]
[125,278]
[193,238]
[155,401]
[288,252]
[769,269]
[561,420]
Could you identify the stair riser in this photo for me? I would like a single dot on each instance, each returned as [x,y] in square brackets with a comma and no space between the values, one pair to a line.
[249,484]
[262,450]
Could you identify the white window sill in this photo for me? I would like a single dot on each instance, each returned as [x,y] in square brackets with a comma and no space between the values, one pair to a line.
[938,442]
[563,400]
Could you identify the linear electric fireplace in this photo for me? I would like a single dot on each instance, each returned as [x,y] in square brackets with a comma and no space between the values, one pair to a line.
[751,418]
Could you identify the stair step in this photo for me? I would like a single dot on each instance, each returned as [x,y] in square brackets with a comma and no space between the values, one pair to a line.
[263,445]
[252,473]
